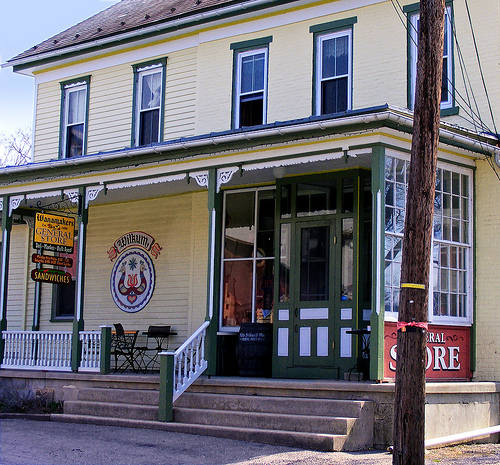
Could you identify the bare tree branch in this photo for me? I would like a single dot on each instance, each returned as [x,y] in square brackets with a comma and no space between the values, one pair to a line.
[15,149]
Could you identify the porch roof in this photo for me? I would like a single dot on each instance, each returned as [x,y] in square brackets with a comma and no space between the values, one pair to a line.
[212,143]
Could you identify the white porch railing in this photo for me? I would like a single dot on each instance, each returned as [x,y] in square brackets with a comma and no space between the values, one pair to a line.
[189,361]
[91,349]
[37,350]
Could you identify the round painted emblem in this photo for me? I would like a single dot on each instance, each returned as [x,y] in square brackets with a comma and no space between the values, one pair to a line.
[132,280]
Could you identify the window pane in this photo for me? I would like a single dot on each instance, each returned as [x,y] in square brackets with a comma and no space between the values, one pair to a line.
[240,227]
[347,258]
[237,292]
[284,284]
[251,110]
[334,95]
[316,199]
[328,58]
[264,279]
[149,127]
[151,89]
[314,263]
[76,106]
[252,73]
[341,54]
[286,201]
[347,195]
[74,141]
[265,230]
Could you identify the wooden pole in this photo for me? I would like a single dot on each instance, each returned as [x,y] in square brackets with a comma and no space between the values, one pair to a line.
[409,402]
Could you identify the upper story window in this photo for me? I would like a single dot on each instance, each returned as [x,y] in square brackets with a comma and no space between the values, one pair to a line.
[74,117]
[447,85]
[250,82]
[149,86]
[333,66]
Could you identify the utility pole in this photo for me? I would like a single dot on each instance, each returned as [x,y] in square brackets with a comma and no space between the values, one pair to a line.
[409,401]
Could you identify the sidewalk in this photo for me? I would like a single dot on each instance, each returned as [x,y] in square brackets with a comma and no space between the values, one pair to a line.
[51,443]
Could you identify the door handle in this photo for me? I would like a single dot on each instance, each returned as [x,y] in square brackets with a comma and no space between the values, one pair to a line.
[296,313]
[296,328]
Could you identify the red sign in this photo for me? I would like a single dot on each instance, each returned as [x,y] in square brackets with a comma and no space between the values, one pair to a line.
[64,261]
[448,352]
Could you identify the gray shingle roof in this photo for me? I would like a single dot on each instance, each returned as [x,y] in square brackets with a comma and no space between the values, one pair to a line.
[124,16]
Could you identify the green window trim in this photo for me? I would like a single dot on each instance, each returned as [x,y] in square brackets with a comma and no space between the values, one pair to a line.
[250,44]
[333,26]
[137,68]
[410,10]
[346,24]
[85,80]
[241,47]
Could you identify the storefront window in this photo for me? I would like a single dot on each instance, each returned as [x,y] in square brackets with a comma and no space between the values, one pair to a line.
[248,257]
[63,295]
[450,283]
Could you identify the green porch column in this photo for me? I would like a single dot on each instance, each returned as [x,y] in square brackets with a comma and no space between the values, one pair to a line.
[6,229]
[378,239]
[105,352]
[213,270]
[78,324]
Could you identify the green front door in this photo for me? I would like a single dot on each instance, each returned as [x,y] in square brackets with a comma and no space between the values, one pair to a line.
[312,287]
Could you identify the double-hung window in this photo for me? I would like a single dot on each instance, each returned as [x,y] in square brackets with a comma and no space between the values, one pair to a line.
[447,90]
[149,86]
[74,117]
[450,287]
[250,82]
[332,84]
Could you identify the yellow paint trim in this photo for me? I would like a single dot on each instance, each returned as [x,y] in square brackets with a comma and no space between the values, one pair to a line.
[413,286]
[187,34]
[234,154]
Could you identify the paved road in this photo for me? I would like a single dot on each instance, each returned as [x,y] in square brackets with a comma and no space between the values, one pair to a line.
[29,442]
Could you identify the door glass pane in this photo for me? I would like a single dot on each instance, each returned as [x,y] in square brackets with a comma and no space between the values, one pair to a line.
[314,263]
[240,228]
[264,271]
[237,292]
[285,263]
[265,225]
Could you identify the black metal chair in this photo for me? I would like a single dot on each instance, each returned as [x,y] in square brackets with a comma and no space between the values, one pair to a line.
[160,335]
[123,348]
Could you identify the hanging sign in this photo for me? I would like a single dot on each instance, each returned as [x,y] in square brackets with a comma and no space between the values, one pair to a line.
[51,276]
[65,262]
[133,275]
[54,232]
[447,352]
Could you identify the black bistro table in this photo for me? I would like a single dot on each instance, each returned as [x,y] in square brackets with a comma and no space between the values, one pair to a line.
[363,362]
[158,338]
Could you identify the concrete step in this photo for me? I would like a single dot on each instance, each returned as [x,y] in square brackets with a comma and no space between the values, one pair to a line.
[270,404]
[126,396]
[268,421]
[109,409]
[313,441]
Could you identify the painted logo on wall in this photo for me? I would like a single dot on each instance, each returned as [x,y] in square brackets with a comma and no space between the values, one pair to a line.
[133,276]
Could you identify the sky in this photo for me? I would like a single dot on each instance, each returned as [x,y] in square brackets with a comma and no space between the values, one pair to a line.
[24,23]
